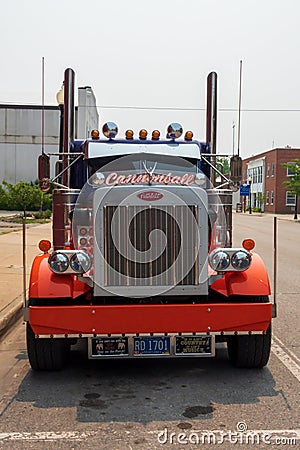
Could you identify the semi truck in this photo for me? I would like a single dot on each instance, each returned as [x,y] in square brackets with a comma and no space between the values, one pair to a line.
[141,264]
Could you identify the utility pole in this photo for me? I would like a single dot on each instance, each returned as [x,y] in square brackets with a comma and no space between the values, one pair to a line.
[233,130]
[240,103]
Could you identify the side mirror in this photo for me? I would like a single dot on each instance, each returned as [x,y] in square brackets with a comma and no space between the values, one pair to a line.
[236,165]
[44,172]
[44,166]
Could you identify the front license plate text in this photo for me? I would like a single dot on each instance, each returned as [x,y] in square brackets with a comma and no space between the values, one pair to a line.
[152,345]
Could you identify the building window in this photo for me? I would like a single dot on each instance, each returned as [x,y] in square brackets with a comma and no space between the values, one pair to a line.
[290,199]
[259,179]
[267,197]
[268,170]
[290,172]
[272,198]
[249,175]
[255,175]
[273,170]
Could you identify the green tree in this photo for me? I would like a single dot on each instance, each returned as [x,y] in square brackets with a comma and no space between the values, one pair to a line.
[23,195]
[224,163]
[293,182]
[261,199]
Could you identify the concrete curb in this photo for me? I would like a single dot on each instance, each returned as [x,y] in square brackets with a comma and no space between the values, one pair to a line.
[10,314]
[286,217]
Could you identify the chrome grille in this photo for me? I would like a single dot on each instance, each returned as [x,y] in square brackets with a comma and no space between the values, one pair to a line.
[152,246]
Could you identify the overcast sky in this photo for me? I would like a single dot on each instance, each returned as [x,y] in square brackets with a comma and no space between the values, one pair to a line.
[158,53]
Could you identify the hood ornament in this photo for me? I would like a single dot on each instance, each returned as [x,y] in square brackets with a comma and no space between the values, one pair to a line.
[150,171]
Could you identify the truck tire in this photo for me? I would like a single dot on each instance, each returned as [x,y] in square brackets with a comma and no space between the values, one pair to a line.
[250,351]
[46,354]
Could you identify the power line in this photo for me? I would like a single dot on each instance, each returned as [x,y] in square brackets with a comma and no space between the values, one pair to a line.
[197,109]
[160,108]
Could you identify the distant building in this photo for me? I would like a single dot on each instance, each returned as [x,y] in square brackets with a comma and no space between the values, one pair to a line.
[266,175]
[87,114]
[21,134]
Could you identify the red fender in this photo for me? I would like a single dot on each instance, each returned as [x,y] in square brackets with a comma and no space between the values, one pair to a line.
[46,284]
[253,281]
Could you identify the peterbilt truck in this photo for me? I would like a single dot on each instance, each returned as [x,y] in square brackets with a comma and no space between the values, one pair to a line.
[141,264]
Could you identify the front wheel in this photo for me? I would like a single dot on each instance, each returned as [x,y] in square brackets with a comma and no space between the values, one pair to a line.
[250,351]
[46,354]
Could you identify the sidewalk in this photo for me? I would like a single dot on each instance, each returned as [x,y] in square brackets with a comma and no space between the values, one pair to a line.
[11,269]
[289,217]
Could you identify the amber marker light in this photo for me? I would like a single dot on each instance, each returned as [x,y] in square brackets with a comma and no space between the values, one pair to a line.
[248,244]
[95,134]
[155,135]
[188,136]
[129,134]
[44,245]
[143,134]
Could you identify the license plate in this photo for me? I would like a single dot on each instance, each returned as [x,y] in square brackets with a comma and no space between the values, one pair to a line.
[194,345]
[109,346]
[152,345]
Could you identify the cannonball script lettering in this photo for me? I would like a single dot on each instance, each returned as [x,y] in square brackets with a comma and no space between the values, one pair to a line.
[114,178]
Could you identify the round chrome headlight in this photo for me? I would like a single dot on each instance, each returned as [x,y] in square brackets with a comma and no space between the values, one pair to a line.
[80,262]
[58,262]
[241,260]
[219,261]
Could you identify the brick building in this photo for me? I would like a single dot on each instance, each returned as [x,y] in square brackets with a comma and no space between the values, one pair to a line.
[265,174]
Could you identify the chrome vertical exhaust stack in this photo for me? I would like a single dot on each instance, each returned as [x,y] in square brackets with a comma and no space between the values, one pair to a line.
[211,117]
[69,120]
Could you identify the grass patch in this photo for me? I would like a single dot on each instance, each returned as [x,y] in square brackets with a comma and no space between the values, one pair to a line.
[38,217]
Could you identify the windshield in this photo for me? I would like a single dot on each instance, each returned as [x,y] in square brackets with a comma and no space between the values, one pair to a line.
[140,163]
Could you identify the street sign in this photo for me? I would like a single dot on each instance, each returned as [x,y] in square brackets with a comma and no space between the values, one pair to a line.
[245,190]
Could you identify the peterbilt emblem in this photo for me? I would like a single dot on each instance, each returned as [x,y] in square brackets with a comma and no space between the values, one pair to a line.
[150,196]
